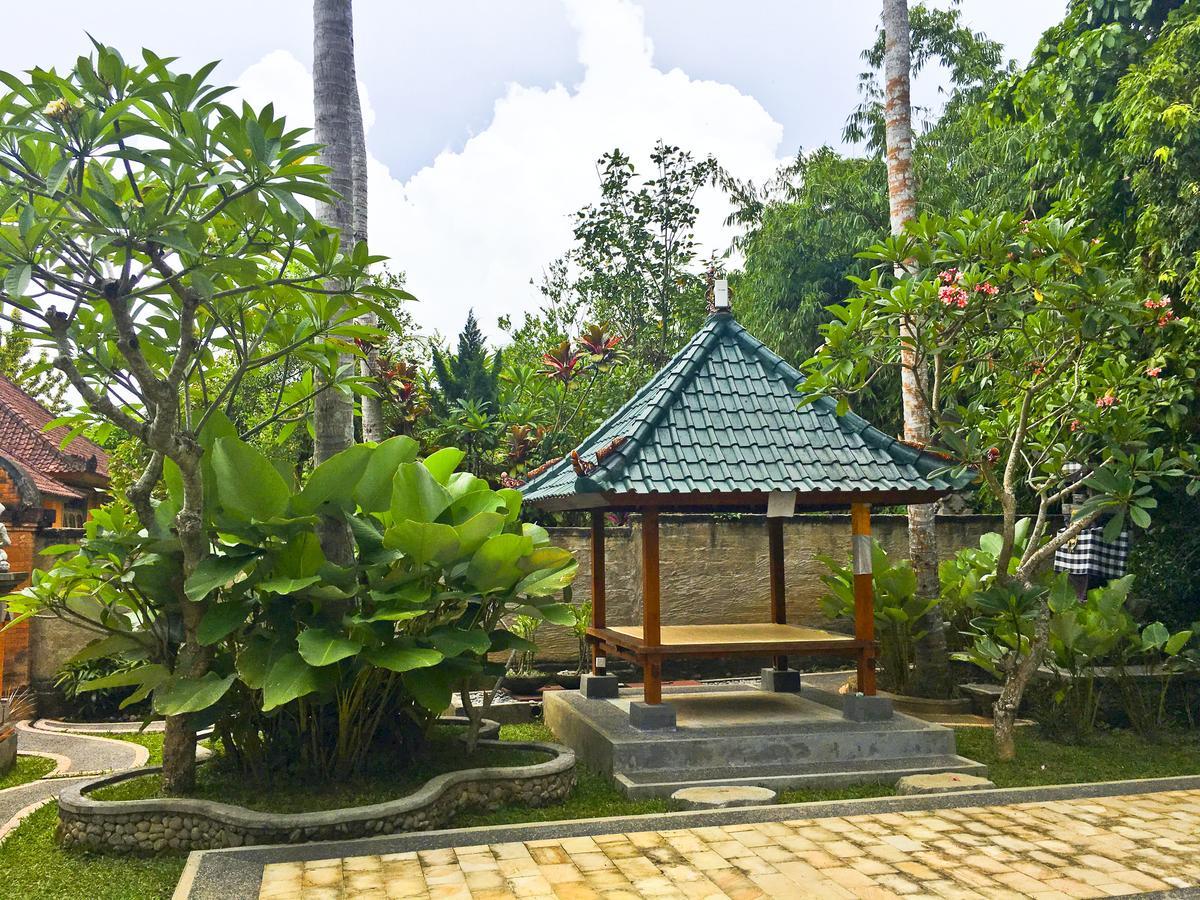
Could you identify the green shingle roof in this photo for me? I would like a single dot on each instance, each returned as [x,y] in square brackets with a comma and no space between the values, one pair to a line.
[723,416]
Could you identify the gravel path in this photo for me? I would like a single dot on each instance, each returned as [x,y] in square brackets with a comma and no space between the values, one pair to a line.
[87,753]
[77,754]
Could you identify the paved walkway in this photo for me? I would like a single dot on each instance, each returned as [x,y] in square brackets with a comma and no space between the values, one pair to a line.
[1093,847]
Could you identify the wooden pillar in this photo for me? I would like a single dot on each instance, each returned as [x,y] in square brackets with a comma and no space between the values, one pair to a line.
[864,595]
[651,621]
[598,596]
[778,595]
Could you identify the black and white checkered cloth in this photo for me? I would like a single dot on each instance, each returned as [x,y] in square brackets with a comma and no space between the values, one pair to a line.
[1090,554]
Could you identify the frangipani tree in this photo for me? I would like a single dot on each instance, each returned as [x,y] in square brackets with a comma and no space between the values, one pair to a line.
[1040,353]
[146,228]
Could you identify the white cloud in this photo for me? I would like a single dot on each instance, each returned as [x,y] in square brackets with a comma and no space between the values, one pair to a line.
[473,227]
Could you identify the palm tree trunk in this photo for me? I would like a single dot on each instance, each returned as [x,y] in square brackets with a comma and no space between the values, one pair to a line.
[932,675]
[336,109]
[372,407]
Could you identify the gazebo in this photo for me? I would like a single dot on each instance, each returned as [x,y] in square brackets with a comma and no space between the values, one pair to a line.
[720,428]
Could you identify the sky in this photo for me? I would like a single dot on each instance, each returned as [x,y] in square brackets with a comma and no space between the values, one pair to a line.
[485,117]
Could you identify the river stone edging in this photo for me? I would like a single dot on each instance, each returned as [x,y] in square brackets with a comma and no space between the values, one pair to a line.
[161,826]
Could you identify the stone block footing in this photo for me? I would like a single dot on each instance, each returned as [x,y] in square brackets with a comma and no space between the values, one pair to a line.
[723,796]
[864,708]
[651,716]
[599,687]
[780,681]
[941,782]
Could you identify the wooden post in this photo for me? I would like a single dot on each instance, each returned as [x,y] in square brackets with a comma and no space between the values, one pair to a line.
[598,596]
[651,621]
[778,596]
[864,595]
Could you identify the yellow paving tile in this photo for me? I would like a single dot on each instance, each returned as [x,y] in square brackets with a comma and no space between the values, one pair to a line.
[1113,846]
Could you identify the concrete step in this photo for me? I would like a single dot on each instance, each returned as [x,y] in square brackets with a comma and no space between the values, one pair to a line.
[866,742]
[664,782]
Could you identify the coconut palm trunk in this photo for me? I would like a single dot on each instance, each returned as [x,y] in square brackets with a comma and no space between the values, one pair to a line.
[339,130]
[932,675]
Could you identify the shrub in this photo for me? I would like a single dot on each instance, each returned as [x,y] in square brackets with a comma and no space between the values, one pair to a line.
[313,666]
[898,610]
[88,704]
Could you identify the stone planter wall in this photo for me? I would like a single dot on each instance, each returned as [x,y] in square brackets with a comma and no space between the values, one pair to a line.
[180,825]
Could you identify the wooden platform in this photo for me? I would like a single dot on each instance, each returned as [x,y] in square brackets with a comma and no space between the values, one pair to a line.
[758,639]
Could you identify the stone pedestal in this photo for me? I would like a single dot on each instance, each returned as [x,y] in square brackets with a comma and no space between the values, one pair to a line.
[864,708]
[780,681]
[599,687]
[651,716]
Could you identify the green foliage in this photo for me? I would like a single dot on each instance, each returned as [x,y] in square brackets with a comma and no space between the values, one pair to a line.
[31,373]
[95,704]
[1035,351]
[313,664]
[1097,631]
[898,610]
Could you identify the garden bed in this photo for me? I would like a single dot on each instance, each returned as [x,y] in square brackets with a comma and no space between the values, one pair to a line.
[122,813]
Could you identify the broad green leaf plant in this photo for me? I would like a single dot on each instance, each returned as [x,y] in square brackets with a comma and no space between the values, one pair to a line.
[1032,349]
[316,665]
[898,610]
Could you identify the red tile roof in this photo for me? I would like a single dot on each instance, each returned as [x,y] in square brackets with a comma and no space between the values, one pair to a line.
[23,441]
[43,482]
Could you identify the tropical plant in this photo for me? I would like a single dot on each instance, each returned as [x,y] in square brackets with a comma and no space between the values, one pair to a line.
[17,705]
[147,229]
[898,610]
[89,704]
[581,621]
[1040,353]
[525,628]
[1161,656]
[315,664]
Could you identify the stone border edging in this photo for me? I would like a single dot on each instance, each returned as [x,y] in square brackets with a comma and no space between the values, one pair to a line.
[59,726]
[156,826]
[218,874]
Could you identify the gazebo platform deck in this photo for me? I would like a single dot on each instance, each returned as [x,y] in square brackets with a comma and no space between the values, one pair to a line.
[755,639]
[734,735]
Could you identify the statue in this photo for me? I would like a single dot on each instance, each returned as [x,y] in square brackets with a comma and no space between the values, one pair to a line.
[5,541]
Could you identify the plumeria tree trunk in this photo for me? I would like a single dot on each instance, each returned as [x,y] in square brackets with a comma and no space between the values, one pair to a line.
[338,119]
[932,675]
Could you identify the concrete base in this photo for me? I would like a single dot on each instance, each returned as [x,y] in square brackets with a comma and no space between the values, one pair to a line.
[861,708]
[651,716]
[780,681]
[730,736]
[941,783]
[599,687]
[723,797]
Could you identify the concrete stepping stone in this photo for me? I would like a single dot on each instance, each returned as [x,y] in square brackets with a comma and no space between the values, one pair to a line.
[941,782]
[723,796]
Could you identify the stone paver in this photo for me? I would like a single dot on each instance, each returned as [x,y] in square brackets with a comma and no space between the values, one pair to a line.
[1095,847]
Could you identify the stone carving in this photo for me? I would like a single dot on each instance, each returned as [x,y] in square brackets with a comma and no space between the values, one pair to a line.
[5,541]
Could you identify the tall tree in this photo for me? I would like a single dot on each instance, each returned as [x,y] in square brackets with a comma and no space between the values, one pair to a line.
[338,119]
[932,674]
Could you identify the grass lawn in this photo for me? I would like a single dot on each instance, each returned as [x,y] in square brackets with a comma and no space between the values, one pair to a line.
[33,866]
[151,740]
[27,768]
[1108,756]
